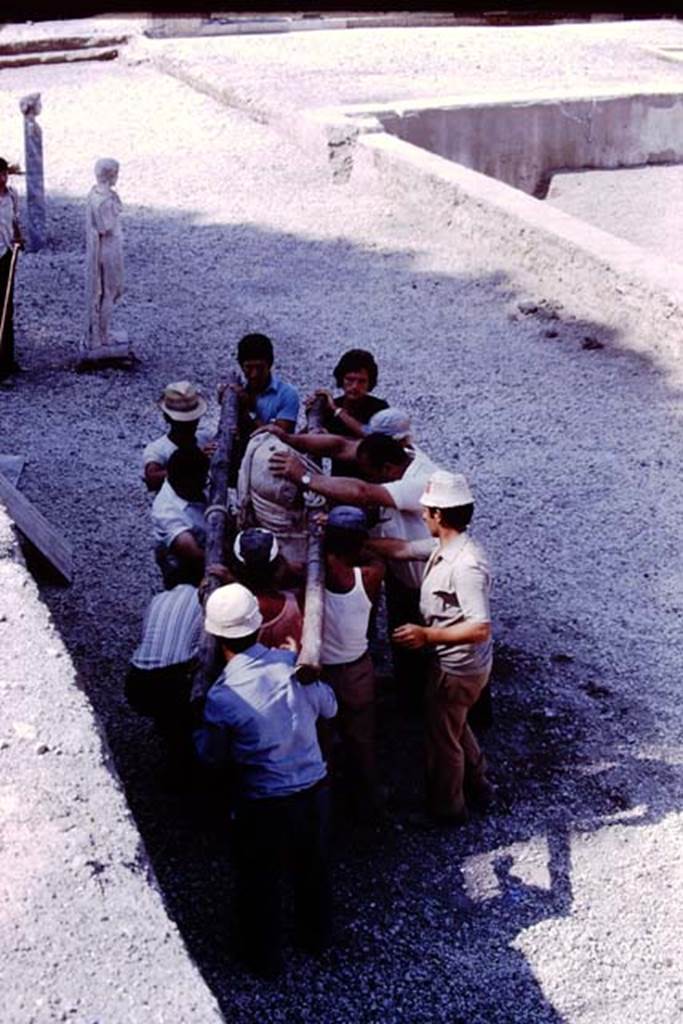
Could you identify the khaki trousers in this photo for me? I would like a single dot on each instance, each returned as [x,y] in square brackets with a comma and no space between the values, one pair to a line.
[451,747]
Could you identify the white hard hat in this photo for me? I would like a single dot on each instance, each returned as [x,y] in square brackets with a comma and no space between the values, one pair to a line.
[446,490]
[232,611]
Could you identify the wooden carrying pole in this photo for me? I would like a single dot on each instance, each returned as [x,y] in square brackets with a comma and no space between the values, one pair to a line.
[308,664]
[219,525]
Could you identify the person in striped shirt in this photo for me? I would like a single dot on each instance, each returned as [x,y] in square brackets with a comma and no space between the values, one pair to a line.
[159,677]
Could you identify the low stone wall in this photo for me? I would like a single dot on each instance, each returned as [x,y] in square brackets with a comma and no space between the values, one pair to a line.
[83,930]
[524,139]
[598,277]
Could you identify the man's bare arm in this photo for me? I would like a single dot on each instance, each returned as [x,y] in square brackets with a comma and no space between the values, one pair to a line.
[339,488]
[155,474]
[415,637]
[186,547]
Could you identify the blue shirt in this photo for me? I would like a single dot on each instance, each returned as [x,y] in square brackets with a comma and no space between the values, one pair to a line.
[279,401]
[257,713]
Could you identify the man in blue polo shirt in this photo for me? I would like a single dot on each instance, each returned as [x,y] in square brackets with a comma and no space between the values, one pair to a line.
[265,398]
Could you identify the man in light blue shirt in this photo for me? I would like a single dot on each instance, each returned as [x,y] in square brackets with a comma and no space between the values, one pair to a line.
[266,398]
[264,720]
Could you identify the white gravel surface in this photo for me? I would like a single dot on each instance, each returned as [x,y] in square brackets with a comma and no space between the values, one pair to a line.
[562,905]
[641,204]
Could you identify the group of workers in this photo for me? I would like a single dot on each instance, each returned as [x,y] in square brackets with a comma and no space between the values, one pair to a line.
[395,523]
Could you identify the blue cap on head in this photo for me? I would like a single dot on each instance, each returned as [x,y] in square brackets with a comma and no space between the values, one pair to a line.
[348,517]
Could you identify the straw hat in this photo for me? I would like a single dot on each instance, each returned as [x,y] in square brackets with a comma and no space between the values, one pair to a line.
[181,401]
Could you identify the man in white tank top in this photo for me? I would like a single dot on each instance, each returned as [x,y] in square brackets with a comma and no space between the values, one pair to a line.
[350,590]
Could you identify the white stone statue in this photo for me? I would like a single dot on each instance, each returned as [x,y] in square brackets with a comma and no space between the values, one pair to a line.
[104,263]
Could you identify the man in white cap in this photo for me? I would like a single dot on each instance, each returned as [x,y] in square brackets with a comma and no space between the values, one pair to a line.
[456,629]
[258,715]
[182,406]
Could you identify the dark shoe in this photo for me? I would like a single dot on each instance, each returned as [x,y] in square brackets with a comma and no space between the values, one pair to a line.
[267,967]
[266,964]
[423,821]
[480,795]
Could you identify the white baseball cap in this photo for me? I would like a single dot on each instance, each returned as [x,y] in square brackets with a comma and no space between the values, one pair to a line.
[232,611]
[446,490]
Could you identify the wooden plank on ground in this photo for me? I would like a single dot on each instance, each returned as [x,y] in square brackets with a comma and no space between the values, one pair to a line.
[36,529]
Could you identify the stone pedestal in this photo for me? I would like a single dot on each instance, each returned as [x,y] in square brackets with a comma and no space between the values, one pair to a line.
[117,352]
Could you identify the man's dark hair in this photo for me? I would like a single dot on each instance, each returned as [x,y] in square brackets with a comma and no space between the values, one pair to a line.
[237,644]
[255,346]
[378,449]
[188,464]
[354,360]
[457,518]
[4,166]
[344,542]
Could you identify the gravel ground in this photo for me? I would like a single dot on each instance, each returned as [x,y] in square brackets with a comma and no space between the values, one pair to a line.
[641,204]
[560,905]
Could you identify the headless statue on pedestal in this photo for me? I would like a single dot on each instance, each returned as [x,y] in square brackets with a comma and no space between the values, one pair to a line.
[104,265]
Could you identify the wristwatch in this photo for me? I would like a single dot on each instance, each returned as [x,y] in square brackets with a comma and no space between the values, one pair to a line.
[306,480]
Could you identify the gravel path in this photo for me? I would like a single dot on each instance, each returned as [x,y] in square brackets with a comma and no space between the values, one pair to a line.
[562,904]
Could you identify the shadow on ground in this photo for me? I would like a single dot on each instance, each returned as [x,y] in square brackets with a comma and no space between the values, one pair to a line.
[415,943]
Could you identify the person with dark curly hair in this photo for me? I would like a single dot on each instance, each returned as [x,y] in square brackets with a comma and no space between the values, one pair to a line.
[346,414]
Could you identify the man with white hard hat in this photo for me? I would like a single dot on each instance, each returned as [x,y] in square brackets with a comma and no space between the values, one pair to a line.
[258,715]
[456,629]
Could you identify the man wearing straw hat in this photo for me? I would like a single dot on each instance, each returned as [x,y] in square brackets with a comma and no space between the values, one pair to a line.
[10,242]
[183,407]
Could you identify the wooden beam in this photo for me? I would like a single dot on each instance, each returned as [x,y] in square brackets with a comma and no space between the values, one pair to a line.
[36,529]
[308,663]
[11,466]
[219,525]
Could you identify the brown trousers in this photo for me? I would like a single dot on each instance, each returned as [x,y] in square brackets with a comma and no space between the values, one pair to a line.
[451,747]
[354,687]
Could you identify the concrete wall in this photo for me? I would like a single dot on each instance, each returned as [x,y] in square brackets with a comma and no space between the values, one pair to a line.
[524,141]
[543,251]
[84,935]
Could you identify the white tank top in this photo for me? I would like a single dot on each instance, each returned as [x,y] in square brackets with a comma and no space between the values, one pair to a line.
[345,626]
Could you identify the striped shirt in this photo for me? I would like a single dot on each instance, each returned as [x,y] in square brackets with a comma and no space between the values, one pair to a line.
[171,629]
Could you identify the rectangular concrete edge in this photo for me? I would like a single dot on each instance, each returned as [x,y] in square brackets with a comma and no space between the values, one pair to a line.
[84,933]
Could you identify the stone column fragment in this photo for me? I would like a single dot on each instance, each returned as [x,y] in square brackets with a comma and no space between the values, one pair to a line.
[35,187]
